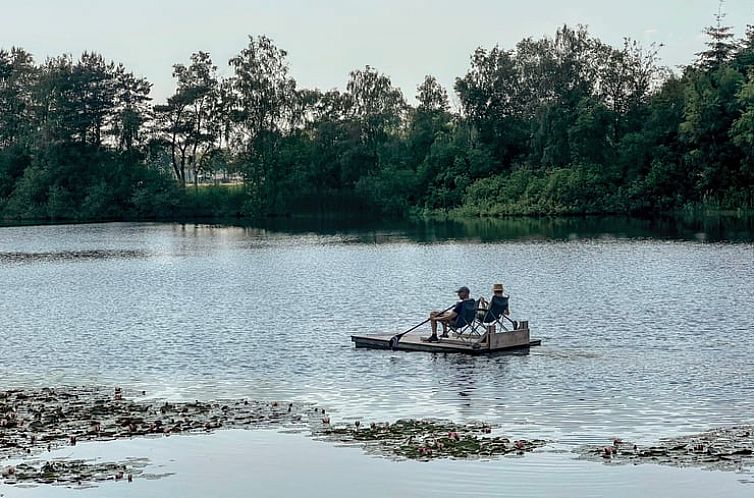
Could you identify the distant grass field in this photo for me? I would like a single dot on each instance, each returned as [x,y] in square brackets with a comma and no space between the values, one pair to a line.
[227,186]
[215,200]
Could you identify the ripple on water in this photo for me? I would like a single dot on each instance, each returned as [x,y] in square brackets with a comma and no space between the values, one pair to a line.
[642,338]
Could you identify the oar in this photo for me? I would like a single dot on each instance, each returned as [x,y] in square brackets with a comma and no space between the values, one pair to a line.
[397,337]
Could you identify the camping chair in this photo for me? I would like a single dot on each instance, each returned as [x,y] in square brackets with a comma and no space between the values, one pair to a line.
[495,314]
[467,327]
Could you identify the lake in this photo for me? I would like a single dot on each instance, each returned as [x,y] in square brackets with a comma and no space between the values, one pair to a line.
[647,332]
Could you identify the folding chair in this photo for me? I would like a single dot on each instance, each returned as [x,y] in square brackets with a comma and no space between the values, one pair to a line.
[495,314]
[467,327]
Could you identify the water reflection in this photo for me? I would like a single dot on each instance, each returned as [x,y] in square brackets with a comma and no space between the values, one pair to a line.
[261,463]
[698,228]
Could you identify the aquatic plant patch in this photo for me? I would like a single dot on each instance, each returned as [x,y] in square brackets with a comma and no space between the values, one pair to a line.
[730,448]
[429,439]
[32,421]
[75,473]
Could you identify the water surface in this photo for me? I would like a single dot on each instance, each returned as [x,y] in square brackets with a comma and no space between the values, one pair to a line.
[244,463]
[646,332]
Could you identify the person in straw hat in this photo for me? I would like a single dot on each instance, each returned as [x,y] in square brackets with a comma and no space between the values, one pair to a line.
[497,290]
[499,304]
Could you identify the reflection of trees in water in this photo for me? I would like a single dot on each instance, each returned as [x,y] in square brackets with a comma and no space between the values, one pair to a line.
[367,230]
[565,228]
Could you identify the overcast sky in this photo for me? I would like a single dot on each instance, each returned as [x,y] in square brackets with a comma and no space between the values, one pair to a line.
[328,38]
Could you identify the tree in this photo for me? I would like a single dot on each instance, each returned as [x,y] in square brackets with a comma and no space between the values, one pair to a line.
[743,60]
[132,110]
[17,77]
[430,118]
[720,44]
[377,105]
[432,97]
[742,134]
[263,98]
[199,87]
[491,100]
[173,127]
[332,133]
[710,109]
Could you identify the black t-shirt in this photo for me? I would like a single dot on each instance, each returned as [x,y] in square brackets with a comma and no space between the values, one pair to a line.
[460,320]
[458,309]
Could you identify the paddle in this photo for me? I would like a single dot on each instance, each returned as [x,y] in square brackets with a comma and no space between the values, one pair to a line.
[397,337]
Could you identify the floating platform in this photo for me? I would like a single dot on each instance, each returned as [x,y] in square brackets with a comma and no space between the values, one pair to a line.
[492,343]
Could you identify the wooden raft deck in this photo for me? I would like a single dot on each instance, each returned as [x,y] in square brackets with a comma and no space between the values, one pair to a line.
[501,341]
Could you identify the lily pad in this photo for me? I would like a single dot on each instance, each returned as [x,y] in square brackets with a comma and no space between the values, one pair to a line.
[429,439]
[32,421]
[72,473]
[729,448]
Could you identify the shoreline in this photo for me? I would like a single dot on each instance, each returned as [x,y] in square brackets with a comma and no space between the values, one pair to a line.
[413,217]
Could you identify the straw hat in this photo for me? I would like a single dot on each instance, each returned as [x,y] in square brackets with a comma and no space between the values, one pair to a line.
[497,288]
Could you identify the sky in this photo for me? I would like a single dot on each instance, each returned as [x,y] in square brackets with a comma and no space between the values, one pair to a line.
[326,39]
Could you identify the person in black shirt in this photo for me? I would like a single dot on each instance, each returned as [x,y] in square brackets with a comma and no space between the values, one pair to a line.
[449,317]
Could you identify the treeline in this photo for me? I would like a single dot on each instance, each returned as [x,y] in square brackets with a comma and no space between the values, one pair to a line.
[566,124]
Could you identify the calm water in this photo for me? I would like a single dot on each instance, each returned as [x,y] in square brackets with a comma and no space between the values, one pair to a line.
[261,463]
[647,327]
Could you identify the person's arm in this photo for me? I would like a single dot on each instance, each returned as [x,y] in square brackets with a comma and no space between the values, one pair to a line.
[444,317]
[450,315]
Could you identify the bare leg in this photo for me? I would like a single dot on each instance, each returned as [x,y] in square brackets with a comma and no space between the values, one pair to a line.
[434,317]
[445,329]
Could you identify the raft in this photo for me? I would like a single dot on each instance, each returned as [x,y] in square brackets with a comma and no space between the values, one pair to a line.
[492,342]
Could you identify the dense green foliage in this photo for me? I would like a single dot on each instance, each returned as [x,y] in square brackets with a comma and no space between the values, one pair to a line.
[554,125]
